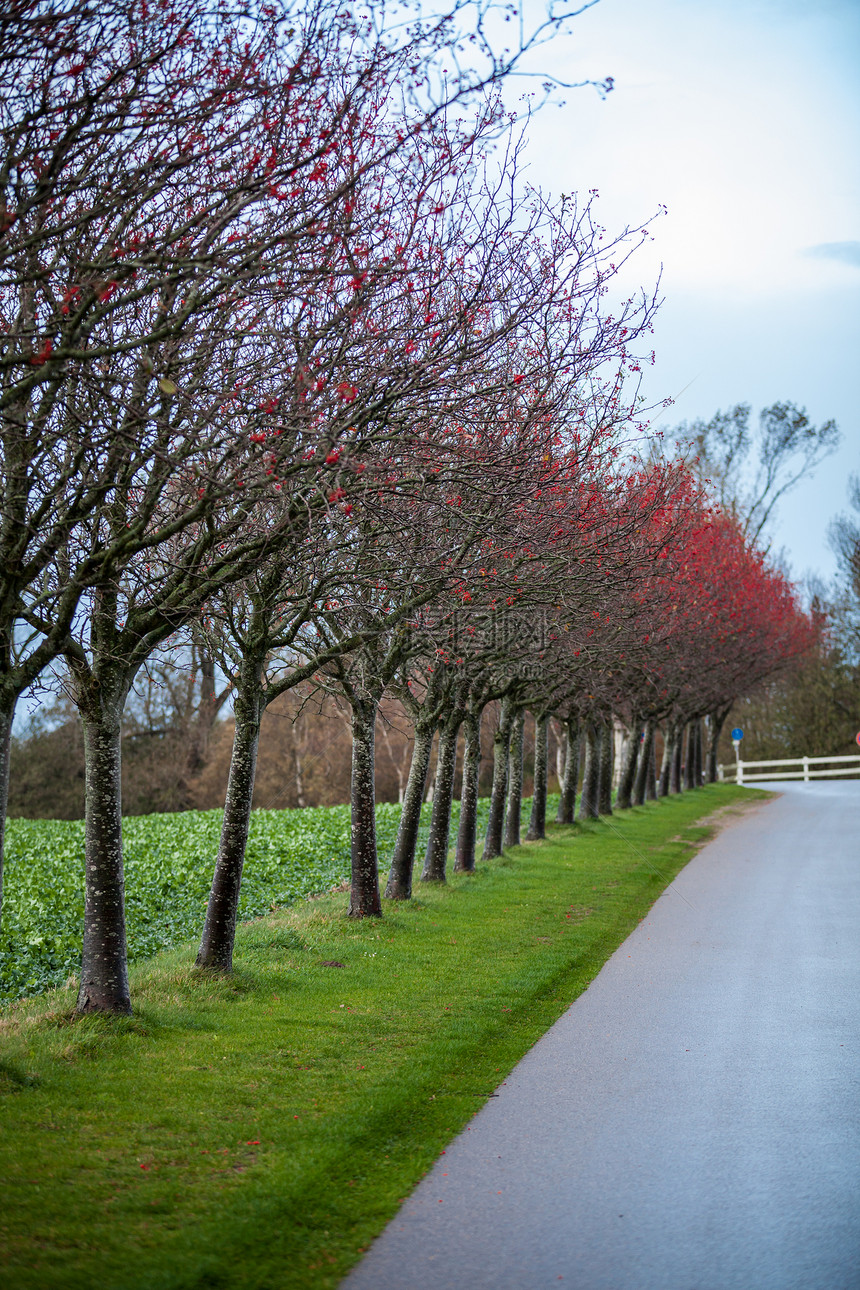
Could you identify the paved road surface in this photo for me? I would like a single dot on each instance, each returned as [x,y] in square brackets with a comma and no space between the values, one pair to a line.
[691,1123]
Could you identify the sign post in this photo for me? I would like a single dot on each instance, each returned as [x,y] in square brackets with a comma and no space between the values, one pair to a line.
[737,736]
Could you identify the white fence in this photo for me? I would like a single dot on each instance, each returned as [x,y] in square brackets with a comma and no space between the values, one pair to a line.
[743,777]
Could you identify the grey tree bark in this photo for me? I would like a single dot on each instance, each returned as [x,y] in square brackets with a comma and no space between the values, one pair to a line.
[691,771]
[464,861]
[560,750]
[501,748]
[570,773]
[628,771]
[364,897]
[537,823]
[7,717]
[436,856]
[588,802]
[699,762]
[640,783]
[651,777]
[605,753]
[399,885]
[718,720]
[513,809]
[675,777]
[670,736]
[219,928]
[104,959]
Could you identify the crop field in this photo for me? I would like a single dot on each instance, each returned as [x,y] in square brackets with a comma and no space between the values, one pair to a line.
[168,869]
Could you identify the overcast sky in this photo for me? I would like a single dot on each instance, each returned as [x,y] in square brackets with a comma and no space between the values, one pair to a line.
[743,118]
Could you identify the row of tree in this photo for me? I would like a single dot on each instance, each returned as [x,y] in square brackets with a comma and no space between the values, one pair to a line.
[172,762]
[297,376]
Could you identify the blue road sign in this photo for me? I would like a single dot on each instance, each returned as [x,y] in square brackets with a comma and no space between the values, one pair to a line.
[737,733]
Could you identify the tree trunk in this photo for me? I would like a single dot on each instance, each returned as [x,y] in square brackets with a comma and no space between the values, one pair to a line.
[300,777]
[640,782]
[436,856]
[219,929]
[399,885]
[7,716]
[693,776]
[628,772]
[670,735]
[570,774]
[560,742]
[467,833]
[718,720]
[675,777]
[364,898]
[619,752]
[588,802]
[651,776]
[104,961]
[515,781]
[537,823]
[501,748]
[696,747]
[605,751]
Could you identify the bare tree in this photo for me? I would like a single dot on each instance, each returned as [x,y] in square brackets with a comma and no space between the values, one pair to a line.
[751,470]
[844,537]
[162,161]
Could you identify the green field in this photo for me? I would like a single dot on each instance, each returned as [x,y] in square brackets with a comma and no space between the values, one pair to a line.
[259,1131]
[168,863]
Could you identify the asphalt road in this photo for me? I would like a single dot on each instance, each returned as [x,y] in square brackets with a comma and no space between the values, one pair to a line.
[692,1121]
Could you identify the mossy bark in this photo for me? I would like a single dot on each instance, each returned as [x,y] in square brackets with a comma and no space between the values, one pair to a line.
[104,959]
[537,822]
[692,777]
[436,856]
[570,774]
[688,771]
[605,754]
[560,749]
[628,771]
[640,783]
[464,861]
[588,802]
[675,775]
[501,749]
[513,807]
[399,885]
[670,737]
[651,776]
[7,717]
[698,766]
[219,928]
[364,897]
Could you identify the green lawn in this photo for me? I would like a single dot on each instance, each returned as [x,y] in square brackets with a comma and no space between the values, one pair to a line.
[260,1131]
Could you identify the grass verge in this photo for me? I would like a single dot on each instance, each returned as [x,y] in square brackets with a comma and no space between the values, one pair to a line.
[260,1131]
